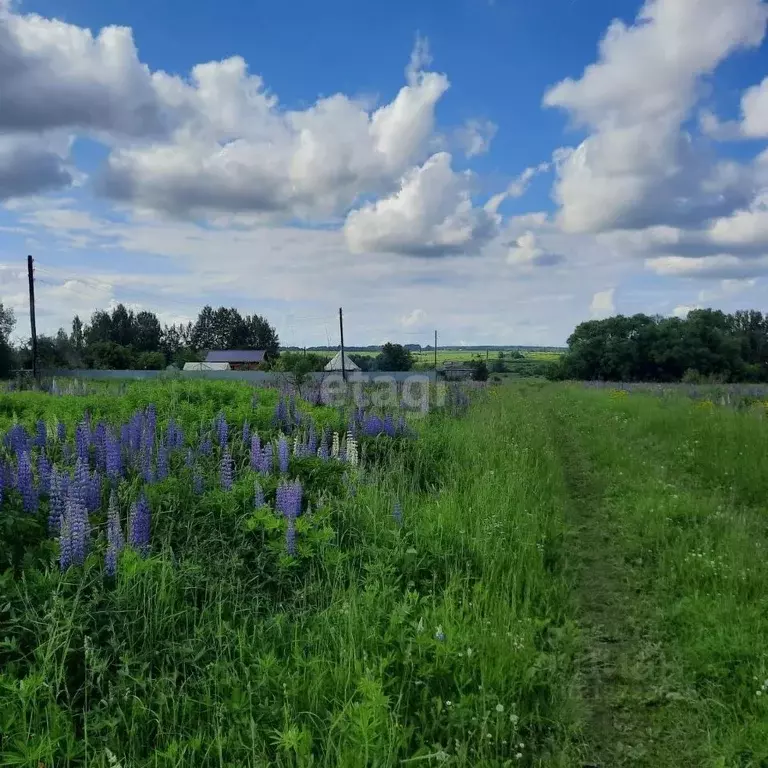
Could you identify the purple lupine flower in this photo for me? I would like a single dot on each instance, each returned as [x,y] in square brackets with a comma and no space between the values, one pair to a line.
[397,513]
[246,433]
[226,470]
[115,538]
[324,451]
[266,459]
[255,451]
[150,425]
[83,440]
[206,446]
[81,481]
[162,463]
[44,474]
[41,434]
[25,483]
[99,446]
[258,495]
[281,417]
[94,492]
[288,498]
[373,425]
[16,439]
[197,483]
[290,537]
[113,457]
[282,454]
[65,542]
[78,529]
[66,453]
[312,440]
[139,526]
[146,466]
[389,426]
[222,429]
[61,432]
[402,427]
[58,500]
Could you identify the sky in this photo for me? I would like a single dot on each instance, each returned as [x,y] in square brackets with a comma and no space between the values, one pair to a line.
[495,170]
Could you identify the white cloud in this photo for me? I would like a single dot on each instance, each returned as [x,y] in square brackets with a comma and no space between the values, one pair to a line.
[682,310]
[754,109]
[719,266]
[602,304]
[30,165]
[527,252]
[237,151]
[637,168]
[475,137]
[430,215]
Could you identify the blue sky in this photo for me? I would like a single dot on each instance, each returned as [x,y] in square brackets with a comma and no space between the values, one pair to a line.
[511,181]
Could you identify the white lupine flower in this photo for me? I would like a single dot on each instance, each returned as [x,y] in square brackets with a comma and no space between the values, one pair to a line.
[335,445]
[352,456]
[296,444]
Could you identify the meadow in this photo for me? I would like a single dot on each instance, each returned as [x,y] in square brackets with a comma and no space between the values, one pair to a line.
[212,574]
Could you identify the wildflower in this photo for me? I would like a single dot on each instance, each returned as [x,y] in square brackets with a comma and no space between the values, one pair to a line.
[150,425]
[246,433]
[255,451]
[139,526]
[78,528]
[282,454]
[57,502]
[16,439]
[197,483]
[258,495]
[222,429]
[41,434]
[335,445]
[206,446]
[397,513]
[113,458]
[266,459]
[226,470]
[146,466]
[65,543]
[61,432]
[439,634]
[312,440]
[25,483]
[499,707]
[290,537]
[93,492]
[44,474]
[162,463]
[352,457]
[83,440]
[189,460]
[115,538]
[388,426]
[323,451]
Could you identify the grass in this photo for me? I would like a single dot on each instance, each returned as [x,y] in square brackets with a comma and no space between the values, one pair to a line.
[578,580]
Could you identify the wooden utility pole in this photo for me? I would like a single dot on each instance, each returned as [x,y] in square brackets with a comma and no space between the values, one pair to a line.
[341,333]
[31,274]
[435,350]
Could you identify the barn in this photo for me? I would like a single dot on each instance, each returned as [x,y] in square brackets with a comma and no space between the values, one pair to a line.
[238,359]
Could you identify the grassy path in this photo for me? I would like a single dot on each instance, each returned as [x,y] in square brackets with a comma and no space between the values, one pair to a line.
[666,535]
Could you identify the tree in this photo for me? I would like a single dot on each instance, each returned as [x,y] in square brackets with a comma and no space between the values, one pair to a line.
[261,335]
[7,324]
[150,361]
[148,332]
[394,357]
[480,371]
[99,329]
[108,355]
[202,331]
[76,338]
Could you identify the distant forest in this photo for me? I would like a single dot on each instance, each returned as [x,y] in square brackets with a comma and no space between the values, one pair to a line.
[708,345]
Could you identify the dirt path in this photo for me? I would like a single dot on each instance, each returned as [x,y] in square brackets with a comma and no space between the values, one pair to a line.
[622,668]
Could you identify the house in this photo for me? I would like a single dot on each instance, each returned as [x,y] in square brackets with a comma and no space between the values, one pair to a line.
[335,364]
[455,371]
[206,367]
[238,359]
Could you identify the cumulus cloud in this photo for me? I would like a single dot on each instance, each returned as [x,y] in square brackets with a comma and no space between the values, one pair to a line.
[55,75]
[30,165]
[528,252]
[637,168]
[682,310]
[430,215]
[414,318]
[720,266]
[602,304]
[237,151]
[754,109]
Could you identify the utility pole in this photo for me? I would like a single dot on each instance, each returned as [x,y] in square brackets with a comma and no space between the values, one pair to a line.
[31,274]
[341,333]
[435,350]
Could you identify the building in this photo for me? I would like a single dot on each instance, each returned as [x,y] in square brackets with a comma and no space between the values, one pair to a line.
[237,359]
[335,363]
[455,371]
[206,367]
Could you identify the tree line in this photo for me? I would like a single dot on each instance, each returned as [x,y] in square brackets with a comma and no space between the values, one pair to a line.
[123,339]
[707,345]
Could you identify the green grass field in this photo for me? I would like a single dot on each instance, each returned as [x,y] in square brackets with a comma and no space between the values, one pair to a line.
[577,578]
